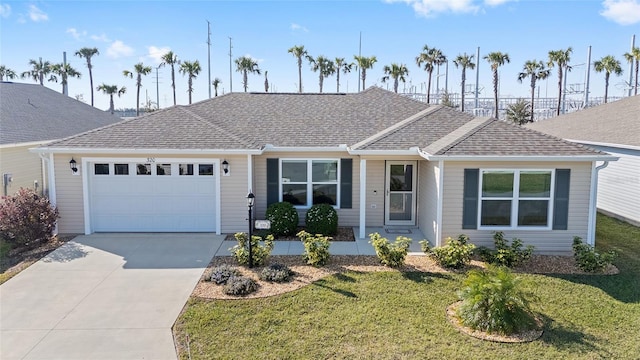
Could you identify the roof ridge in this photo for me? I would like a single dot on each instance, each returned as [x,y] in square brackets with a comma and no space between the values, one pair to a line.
[467,135]
[456,134]
[219,128]
[397,126]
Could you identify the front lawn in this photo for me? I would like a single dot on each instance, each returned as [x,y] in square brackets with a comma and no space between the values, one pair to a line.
[394,315]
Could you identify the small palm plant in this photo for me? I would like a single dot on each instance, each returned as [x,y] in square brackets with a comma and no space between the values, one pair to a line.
[494,302]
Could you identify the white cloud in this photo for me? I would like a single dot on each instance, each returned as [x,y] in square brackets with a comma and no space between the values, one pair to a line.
[76,34]
[624,12]
[37,15]
[119,49]
[299,27]
[428,8]
[5,10]
[496,2]
[102,37]
[156,53]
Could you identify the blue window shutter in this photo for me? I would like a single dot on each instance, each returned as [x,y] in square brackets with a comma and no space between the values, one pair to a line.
[470,199]
[561,199]
[346,183]
[273,184]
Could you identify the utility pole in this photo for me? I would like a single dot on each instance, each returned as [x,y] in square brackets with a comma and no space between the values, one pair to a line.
[209,54]
[359,55]
[65,89]
[477,75]
[631,84]
[157,89]
[230,68]
[588,72]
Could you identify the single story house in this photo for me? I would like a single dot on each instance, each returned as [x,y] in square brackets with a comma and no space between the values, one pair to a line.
[32,115]
[613,128]
[383,160]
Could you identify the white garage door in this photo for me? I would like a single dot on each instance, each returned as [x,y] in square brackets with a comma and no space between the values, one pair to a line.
[152,197]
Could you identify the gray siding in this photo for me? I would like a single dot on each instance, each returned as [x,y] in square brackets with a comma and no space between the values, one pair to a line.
[375,193]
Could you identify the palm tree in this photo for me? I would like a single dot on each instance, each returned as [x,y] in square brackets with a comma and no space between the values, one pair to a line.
[87,54]
[246,65]
[216,82]
[341,65]
[395,72]
[111,90]
[535,70]
[191,69]
[430,57]
[464,61]
[496,59]
[171,59]
[140,70]
[324,67]
[38,70]
[519,112]
[609,65]
[634,55]
[5,72]
[266,82]
[64,71]
[561,59]
[299,52]
[365,63]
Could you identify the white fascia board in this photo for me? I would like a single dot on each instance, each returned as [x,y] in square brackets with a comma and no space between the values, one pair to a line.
[30,143]
[144,151]
[411,151]
[272,148]
[524,158]
[620,146]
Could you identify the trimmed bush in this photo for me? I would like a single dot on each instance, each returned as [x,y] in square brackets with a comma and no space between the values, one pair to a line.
[26,217]
[220,274]
[493,302]
[316,248]
[505,254]
[240,286]
[390,254]
[284,218]
[322,219]
[456,254]
[588,259]
[259,252]
[276,273]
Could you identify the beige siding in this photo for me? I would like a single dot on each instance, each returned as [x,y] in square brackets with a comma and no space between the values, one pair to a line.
[69,195]
[550,241]
[233,195]
[428,173]
[619,185]
[346,217]
[375,193]
[24,166]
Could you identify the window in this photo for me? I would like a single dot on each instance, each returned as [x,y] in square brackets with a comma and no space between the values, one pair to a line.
[121,169]
[101,169]
[307,182]
[143,169]
[185,169]
[205,169]
[515,198]
[163,169]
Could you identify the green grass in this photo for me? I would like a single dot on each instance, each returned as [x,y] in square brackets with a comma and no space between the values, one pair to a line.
[392,315]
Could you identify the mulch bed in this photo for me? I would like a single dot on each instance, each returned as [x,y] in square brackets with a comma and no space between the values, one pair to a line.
[344,234]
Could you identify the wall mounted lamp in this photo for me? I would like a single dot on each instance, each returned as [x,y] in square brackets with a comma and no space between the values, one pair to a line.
[225,168]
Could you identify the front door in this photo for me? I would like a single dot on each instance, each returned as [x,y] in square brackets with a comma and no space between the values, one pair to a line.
[400,193]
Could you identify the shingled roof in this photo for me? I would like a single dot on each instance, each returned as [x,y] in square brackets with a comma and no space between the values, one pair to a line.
[617,122]
[32,113]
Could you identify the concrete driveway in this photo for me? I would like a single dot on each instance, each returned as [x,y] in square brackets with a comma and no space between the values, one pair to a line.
[103,296]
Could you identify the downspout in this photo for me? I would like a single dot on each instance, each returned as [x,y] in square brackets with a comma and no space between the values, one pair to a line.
[439,203]
[52,182]
[591,231]
[363,199]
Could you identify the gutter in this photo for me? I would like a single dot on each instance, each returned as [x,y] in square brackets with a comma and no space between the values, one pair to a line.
[109,151]
[273,148]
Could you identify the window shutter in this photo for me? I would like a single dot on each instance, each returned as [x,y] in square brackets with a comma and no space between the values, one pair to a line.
[561,200]
[470,199]
[273,184]
[346,182]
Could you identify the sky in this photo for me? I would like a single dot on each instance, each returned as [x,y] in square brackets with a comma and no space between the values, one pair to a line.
[395,31]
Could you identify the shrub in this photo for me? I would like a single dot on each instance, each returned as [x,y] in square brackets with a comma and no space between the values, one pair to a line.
[276,273]
[259,252]
[322,219]
[492,301]
[390,254]
[283,217]
[504,254]
[424,246]
[240,286]
[456,254]
[26,217]
[220,274]
[316,248]
[588,259]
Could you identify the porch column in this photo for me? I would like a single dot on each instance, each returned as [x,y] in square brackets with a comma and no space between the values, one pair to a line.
[363,198]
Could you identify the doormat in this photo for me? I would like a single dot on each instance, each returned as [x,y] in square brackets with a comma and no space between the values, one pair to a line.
[398,231]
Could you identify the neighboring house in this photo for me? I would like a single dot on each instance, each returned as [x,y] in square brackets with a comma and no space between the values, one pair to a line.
[613,128]
[32,115]
[381,159]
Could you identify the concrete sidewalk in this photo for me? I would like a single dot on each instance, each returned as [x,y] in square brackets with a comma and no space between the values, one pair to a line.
[103,296]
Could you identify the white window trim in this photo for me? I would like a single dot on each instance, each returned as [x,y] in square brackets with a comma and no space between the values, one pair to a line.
[310,181]
[515,198]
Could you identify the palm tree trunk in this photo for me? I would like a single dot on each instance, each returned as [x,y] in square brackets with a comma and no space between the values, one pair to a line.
[338,80]
[111,104]
[299,75]
[190,88]
[138,101]
[635,92]
[244,79]
[606,86]
[395,85]
[173,84]
[495,90]
[320,81]
[533,92]
[41,75]
[364,76]
[91,82]
[429,87]
[464,80]
[559,88]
